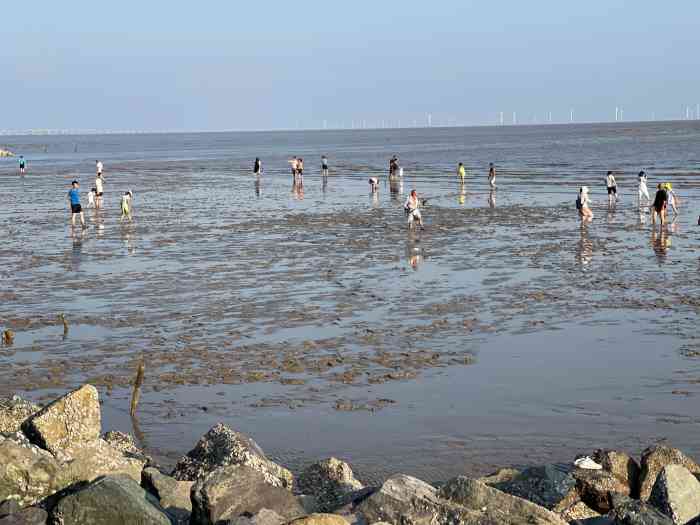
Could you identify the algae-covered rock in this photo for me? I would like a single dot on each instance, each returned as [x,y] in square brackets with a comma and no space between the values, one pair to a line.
[330,481]
[72,420]
[222,446]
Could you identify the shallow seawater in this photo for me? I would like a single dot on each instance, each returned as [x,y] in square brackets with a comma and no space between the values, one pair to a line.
[505,333]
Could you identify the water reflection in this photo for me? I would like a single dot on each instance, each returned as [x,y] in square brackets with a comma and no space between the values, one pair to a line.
[492,198]
[257,186]
[584,250]
[324,184]
[395,188]
[660,243]
[77,235]
[298,190]
[414,253]
[462,197]
[127,235]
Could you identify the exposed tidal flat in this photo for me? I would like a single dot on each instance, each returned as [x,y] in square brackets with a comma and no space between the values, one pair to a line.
[505,333]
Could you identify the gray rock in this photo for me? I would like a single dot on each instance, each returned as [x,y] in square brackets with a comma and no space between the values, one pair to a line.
[577,512]
[550,486]
[676,493]
[125,444]
[500,476]
[332,483]
[13,412]
[595,488]
[654,459]
[72,420]
[627,511]
[262,517]
[27,516]
[495,506]
[622,466]
[27,473]
[97,458]
[110,500]
[320,519]
[221,447]
[406,500]
[233,490]
[172,495]
[9,506]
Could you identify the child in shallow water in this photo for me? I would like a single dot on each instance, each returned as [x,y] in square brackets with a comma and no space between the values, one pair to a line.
[126,205]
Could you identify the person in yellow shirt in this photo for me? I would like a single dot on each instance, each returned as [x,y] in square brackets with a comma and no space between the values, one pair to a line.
[461,172]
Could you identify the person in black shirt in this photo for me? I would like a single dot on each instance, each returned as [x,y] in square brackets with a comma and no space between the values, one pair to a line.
[659,205]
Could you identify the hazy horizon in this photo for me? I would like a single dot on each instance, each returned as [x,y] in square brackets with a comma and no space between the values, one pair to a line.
[222,66]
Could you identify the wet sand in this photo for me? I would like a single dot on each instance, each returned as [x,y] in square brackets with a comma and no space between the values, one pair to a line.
[504,333]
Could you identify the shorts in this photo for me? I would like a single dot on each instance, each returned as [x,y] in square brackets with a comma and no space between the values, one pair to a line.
[100,194]
[76,208]
[612,190]
[659,207]
[324,167]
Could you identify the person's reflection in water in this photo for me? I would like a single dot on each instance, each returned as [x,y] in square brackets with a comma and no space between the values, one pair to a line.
[257,187]
[660,242]
[324,184]
[77,252]
[642,217]
[492,199]
[128,238]
[414,253]
[298,190]
[584,250]
[394,188]
[461,199]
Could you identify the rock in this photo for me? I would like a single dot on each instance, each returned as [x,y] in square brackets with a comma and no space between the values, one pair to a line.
[233,490]
[13,412]
[330,481]
[595,488]
[9,506]
[221,447]
[500,476]
[578,511]
[654,459]
[551,486]
[622,466]
[262,517]
[495,506]
[98,458]
[320,519]
[172,495]
[111,500]
[627,511]
[70,421]
[27,473]
[407,500]
[28,516]
[676,493]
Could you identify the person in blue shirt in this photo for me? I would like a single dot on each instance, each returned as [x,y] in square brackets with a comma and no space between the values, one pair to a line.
[75,208]
[22,165]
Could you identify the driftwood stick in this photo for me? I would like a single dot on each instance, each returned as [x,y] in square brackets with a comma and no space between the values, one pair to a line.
[136,392]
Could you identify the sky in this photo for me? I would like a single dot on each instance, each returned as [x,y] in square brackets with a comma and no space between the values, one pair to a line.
[233,65]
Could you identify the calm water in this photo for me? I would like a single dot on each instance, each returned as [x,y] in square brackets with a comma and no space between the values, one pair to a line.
[505,333]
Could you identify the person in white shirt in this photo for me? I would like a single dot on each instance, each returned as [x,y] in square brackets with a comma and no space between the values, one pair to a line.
[411,207]
[583,204]
[373,184]
[126,206]
[611,184]
[643,191]
[99,167]
[99,188]
[492,176]
[91,198]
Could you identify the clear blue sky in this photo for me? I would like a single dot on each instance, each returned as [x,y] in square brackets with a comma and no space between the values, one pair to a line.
[261,64]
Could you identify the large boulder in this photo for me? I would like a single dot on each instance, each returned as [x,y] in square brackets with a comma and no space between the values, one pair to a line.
[125,444]
[407,500]
[262,517]
[89,462]
[595,488]
[233,490]
[654,459]
[27,473]
[13,412]
[26,516]
[578,512]
[172,495]
[627,511]
[111,500]
[676,493]
[331,481]
[622,466]
[70,421]
[320,519]
[221,447]
[495,506]
[551,486]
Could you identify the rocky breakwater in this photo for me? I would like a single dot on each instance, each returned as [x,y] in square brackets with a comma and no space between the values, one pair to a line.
[57,468]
